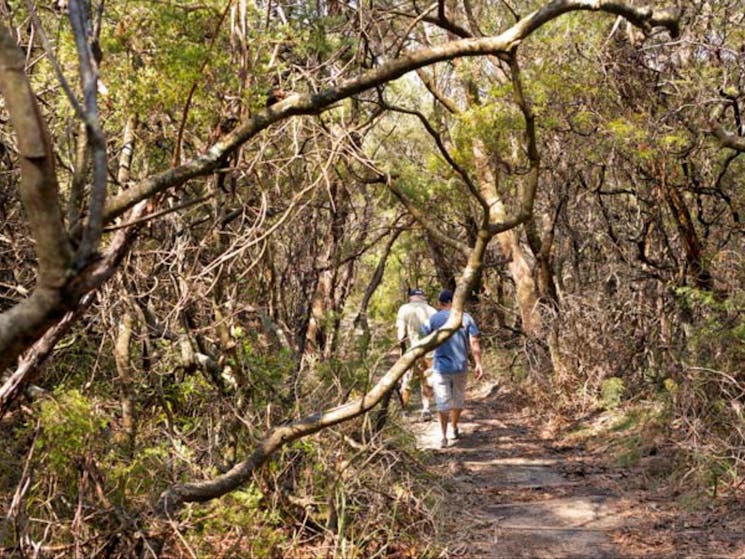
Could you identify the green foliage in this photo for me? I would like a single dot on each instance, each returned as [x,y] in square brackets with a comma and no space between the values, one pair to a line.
[718,336]
[406,266]
[711,470]
[629,453]
[75,357]
[631,133]
[242,512]
[240,508]
[265,369]
[315,40]
[675,142]
[418,185]
[495,122]
[611,392]
[186,399]
[137,477]
[72,426]
[630,419]
[153,59]
[350,375]
[635,432]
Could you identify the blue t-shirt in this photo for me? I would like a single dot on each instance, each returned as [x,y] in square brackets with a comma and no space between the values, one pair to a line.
[452,356]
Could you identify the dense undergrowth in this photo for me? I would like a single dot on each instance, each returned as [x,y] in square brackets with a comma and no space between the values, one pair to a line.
[666,380]
[77,483]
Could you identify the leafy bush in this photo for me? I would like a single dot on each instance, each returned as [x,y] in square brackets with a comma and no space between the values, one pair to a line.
[611,392]
[71,426]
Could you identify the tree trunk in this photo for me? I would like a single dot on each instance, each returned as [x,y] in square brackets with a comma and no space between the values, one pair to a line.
[360,321]
[123,362]
[518,264]
[687,231]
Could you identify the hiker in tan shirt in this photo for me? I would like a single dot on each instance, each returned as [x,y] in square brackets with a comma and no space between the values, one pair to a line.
[409,321]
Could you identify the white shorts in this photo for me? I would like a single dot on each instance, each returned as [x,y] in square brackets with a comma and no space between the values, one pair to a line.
[450,391]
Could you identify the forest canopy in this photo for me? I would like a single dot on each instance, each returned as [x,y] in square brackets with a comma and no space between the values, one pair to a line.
[212,210]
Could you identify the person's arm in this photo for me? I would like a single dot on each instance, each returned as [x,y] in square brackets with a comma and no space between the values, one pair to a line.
[478,371]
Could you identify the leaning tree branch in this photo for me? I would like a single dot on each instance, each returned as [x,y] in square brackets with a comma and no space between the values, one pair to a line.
[313,103]
[176,496]
[24,323]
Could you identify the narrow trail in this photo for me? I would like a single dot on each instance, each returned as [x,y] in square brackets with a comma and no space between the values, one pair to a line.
[513,492]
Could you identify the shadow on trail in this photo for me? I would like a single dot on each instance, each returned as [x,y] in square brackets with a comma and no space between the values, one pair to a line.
[513,493]
[509,489]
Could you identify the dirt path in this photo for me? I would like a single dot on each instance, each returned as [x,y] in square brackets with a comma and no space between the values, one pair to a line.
[516,493]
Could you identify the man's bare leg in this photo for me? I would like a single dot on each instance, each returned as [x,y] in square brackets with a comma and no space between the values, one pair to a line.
[406,389]
[425,373]
[425,407]
[427,396]
[443,415]
[454,417]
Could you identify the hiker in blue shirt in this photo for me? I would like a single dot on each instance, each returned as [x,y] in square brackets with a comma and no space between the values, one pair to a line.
[450,364]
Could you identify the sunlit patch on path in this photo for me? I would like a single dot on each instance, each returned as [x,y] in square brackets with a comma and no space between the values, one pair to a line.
[511,495]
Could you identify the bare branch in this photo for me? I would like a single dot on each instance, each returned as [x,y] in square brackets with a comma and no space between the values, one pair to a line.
[80,21]
[437,94]
[77,182]
[174,498]
[312,103]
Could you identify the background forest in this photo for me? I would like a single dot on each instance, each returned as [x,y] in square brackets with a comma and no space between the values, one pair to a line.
[212,209]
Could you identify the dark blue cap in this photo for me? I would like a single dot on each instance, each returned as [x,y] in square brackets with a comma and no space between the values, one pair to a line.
[414,291]
[446,296]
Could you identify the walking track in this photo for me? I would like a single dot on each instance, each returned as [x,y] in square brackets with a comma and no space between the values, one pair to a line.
[515,493]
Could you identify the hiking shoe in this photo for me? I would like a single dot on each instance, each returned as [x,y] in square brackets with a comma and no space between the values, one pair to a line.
[426,415]
[443,443]
[456,433]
